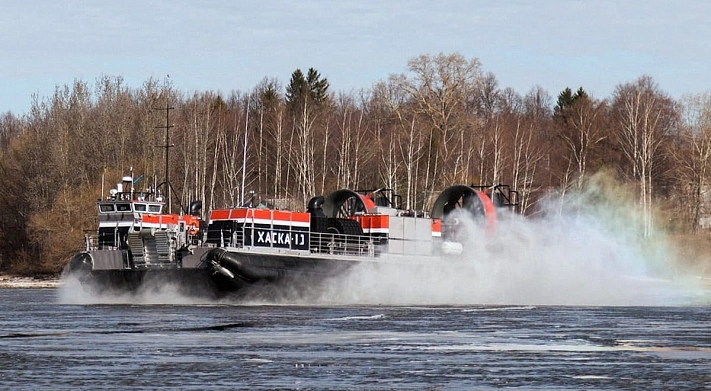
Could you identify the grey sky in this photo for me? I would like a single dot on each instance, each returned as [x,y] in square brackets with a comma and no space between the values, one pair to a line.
[232,45]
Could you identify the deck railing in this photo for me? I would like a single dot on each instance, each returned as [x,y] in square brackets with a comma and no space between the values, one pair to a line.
[341,244]
[314,242]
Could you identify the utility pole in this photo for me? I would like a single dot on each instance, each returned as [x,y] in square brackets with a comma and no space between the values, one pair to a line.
[167,147]
[244,151]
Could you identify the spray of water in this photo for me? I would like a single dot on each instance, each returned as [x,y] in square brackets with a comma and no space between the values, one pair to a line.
[152,292]
[584,249]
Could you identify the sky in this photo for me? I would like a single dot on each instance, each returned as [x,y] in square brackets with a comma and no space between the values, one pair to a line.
[227,46]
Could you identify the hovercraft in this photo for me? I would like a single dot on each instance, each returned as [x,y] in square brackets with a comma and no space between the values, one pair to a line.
[136,241]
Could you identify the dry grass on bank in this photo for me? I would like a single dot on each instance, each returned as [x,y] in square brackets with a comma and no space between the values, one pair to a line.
[7,281]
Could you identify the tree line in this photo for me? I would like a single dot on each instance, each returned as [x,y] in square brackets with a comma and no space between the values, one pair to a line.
[445,121]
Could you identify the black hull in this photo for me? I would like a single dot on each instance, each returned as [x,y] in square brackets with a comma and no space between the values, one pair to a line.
[189,282]
[222,273]
[253,267]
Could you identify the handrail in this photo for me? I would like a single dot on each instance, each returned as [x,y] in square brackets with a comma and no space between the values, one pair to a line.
[314,242]
[341,244]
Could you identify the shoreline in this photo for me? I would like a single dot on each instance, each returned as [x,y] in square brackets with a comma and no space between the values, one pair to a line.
[7,281]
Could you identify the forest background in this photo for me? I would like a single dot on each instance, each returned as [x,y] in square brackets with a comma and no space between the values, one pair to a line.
[443,122]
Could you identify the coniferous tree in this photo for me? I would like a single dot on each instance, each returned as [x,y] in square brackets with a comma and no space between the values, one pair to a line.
[305,97]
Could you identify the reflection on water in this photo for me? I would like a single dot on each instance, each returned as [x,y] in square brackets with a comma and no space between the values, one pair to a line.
[45,345]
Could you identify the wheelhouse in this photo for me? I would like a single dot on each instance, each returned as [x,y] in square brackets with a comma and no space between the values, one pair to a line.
[139,207]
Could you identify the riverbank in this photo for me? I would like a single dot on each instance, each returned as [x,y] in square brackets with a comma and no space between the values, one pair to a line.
[7,281]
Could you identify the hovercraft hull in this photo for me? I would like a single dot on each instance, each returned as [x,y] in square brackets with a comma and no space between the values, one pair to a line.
[221,273]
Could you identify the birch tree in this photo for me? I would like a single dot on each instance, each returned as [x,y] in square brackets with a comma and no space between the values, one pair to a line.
[394,100]
[579,118]
[643,115]
[693,155]
[352,138]
[528,147]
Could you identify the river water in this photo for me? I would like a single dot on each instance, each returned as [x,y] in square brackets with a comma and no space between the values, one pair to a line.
[48,344]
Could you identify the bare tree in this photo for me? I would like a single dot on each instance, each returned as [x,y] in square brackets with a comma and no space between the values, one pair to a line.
[393,99]
[693,154]
[440,88]
[351,136]
[271,138]
[580,119]
[527,145]
[10,127]
[230,149]
[198,144]
[643,114]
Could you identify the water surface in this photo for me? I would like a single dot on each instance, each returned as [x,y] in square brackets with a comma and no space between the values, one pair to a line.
[48,345]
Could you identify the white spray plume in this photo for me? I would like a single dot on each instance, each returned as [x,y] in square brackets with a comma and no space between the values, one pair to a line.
[153,292]
[584,249]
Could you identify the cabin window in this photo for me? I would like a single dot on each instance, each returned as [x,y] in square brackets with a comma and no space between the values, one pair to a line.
[139,207]
[123,207]
[106,208]
[154,208]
